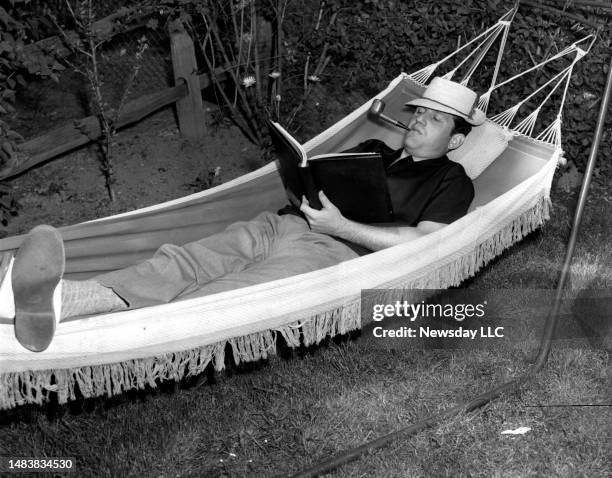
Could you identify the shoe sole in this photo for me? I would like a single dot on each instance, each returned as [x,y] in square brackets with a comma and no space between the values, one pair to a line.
[38,268]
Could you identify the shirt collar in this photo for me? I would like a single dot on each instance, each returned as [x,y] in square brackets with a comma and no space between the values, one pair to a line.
[395,161]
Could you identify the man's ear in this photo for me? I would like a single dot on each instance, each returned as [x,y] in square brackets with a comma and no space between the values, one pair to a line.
[455,141]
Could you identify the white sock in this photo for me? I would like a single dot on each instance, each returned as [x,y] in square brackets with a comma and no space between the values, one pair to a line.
[7,299]
[57,302]
[88,297]
[69,297]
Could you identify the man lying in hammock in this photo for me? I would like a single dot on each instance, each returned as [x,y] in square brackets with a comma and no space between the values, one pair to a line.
[427,192]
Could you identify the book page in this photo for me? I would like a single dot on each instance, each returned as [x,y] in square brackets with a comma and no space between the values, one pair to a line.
[292,142]
[340,155]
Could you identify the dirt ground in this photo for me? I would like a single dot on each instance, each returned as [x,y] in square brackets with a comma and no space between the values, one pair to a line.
[152,162]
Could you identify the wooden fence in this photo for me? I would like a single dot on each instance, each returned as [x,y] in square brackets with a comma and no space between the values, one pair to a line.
[186,95]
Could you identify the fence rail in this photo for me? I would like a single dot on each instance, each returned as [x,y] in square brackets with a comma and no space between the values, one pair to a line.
[186,94]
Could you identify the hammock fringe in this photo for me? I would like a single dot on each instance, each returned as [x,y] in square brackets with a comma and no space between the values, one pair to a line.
[38,387]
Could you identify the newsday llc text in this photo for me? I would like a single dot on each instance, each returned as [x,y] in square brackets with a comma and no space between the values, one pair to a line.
[455,318]
[430,332]
[423,310]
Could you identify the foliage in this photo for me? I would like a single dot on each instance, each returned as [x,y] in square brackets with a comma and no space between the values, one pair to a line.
[245,46]
[370,42]
[206,179]
[321,52]
[249,41]
[18,64]
[331,47]
[18,27]
[8,204]
[85,42]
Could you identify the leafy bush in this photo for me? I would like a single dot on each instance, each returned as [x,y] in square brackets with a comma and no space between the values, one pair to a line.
[249,40]
[330,51]
[371,42]
[18,27]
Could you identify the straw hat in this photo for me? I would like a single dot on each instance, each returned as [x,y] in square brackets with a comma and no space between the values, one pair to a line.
[450,97]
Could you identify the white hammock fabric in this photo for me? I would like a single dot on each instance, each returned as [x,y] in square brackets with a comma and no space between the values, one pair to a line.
[109,354]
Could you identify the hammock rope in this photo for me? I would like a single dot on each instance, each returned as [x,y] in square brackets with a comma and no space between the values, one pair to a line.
[506,117]
[422,76]
[484,42]
[552,133]
[526,126]
[570,49]
[483,103]
[468,75]
[482,48]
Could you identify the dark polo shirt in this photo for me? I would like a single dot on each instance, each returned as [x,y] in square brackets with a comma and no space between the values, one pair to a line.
[435,190]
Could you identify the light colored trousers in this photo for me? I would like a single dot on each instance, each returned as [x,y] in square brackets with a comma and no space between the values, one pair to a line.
[266,248]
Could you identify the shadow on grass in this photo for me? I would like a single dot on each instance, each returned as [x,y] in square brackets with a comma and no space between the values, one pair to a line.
[594,317]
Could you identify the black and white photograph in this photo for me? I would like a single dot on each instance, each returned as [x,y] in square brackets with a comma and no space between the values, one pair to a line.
[281,238]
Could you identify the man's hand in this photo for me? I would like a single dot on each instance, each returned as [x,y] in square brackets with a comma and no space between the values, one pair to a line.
[327,220]
[330,221]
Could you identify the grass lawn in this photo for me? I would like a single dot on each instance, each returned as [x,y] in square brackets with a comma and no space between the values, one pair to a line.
[276,417]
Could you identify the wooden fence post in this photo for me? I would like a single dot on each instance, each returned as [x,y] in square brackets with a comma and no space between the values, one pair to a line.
[189,110]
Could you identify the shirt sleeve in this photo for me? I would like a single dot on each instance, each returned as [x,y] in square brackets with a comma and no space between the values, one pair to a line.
[451,199]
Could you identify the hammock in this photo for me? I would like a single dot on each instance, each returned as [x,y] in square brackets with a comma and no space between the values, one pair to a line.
[111,353]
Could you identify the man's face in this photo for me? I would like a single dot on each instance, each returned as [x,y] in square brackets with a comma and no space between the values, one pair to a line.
[429,134]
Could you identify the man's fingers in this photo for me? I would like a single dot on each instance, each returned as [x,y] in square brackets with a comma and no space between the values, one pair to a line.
[305,207]
[304,204]
[323,198]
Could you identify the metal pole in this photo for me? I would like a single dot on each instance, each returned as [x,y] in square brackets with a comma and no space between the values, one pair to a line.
[347,456]
[586,182]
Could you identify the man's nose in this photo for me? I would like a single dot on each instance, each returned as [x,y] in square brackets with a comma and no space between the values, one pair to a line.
[420,117]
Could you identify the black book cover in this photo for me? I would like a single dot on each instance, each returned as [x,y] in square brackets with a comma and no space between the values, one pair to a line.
[355,182]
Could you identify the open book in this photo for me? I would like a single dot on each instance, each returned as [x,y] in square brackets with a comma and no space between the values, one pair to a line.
[355,182]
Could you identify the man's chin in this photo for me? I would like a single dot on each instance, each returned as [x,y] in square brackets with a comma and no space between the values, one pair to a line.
[409,145]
